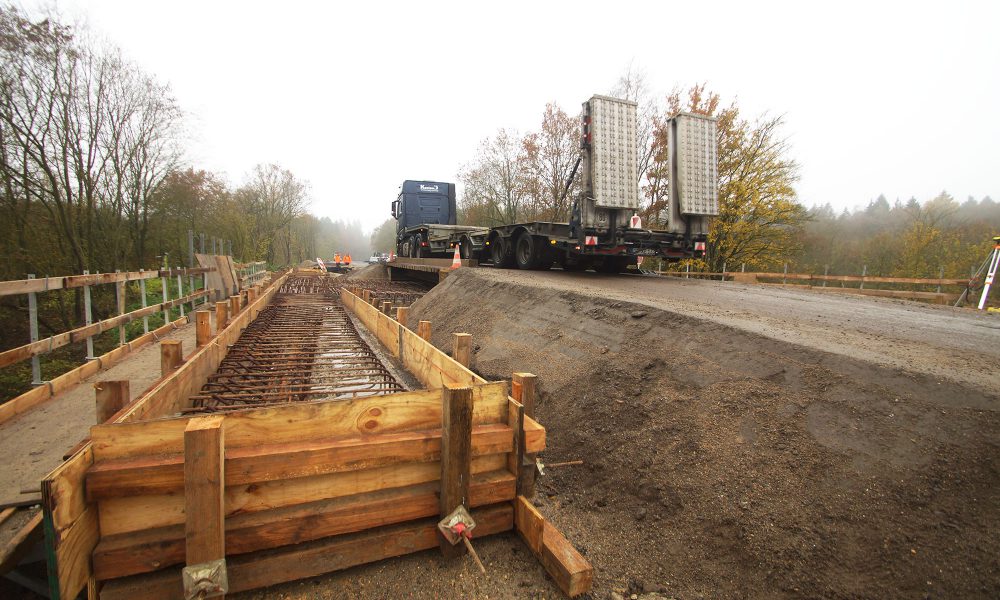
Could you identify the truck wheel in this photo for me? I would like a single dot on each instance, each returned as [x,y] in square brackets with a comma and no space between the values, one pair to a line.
[526,252]
[465,248]
[404,248]
[500,253]
[414,247]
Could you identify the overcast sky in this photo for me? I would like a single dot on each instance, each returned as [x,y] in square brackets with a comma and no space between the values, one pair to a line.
[879,97]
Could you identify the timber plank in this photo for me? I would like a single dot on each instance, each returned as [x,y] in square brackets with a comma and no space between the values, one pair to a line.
[569,569]
[290,563]
[135,513]
[393,413]
[164,474]
[204,485]
[150,550]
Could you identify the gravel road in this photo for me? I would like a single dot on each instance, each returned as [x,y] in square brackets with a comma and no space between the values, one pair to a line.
[962,345]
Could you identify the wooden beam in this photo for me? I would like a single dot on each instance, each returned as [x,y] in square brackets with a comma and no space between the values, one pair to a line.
[234,306]
[203,327]
[424,330]
[300,561]
[221,316]
[150,550]
[301,421]
[523,386]
[462,349]
[402,314]
[164,474]
[569,569]
[171,356]
[110,397]
[204,488]
[456,456]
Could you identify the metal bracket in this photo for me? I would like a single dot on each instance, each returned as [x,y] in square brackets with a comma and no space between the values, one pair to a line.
[456,524]
[206,580]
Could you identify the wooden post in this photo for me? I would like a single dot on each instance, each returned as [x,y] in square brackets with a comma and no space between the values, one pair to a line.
[234,306]
[204,481]
[120,297]
[111,397]
[456,455]
[402,313]
[203,327]
[424,330]
[221,310]
[523,390]
[462,348]
[367,296]
[171,356]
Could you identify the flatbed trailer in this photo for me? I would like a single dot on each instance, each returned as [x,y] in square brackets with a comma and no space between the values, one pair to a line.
[436,240]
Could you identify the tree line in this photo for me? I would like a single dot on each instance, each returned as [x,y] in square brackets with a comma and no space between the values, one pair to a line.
[93,175]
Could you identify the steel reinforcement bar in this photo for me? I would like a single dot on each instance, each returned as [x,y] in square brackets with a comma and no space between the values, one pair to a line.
[303,347]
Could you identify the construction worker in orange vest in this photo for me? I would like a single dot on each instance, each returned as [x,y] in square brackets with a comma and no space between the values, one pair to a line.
[347,260]
[336,258]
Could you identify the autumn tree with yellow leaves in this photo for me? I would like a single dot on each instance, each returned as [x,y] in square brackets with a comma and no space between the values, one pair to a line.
[759,218]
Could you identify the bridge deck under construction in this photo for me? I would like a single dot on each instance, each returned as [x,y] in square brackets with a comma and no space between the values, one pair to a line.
[302,347]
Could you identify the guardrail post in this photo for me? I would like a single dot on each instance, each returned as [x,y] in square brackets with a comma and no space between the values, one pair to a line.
[166,296]
[142,290]
[180,291]
[723,270]
[110,397]
[940,277]
[88,319]
[36,364]
[120,298]
[826,271]
[784,277]
[864,273]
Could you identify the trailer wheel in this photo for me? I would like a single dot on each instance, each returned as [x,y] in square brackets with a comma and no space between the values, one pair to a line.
[500,253]
[526,252]
[465,248]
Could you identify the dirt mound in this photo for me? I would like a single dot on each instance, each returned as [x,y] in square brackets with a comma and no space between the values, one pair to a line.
[722,463]
[372,271]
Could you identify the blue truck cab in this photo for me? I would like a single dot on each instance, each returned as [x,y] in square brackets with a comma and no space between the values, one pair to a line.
[426,217]
[424,203]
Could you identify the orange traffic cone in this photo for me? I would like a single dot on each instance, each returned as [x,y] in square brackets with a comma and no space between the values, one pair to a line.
[456,262]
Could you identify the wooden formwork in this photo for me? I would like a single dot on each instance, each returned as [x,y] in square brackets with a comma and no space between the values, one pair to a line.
[296,490]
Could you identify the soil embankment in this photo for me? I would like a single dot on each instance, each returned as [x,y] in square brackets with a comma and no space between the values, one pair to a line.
[726,461]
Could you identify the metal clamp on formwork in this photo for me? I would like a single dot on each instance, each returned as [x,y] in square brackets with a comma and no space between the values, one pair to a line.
[457,527]
[206,580]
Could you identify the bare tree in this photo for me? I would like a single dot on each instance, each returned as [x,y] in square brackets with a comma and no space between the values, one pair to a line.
[496,182]
[550,156]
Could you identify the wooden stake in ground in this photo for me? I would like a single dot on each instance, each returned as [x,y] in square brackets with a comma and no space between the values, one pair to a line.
[203,327]
[111,397]
[462,349]
[523,390]
[424,330]
[204,490]
[456,455]
[402,313]
[171,356]
[221,316]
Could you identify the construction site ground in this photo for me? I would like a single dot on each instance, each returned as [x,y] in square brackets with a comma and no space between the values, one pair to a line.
[750,441]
